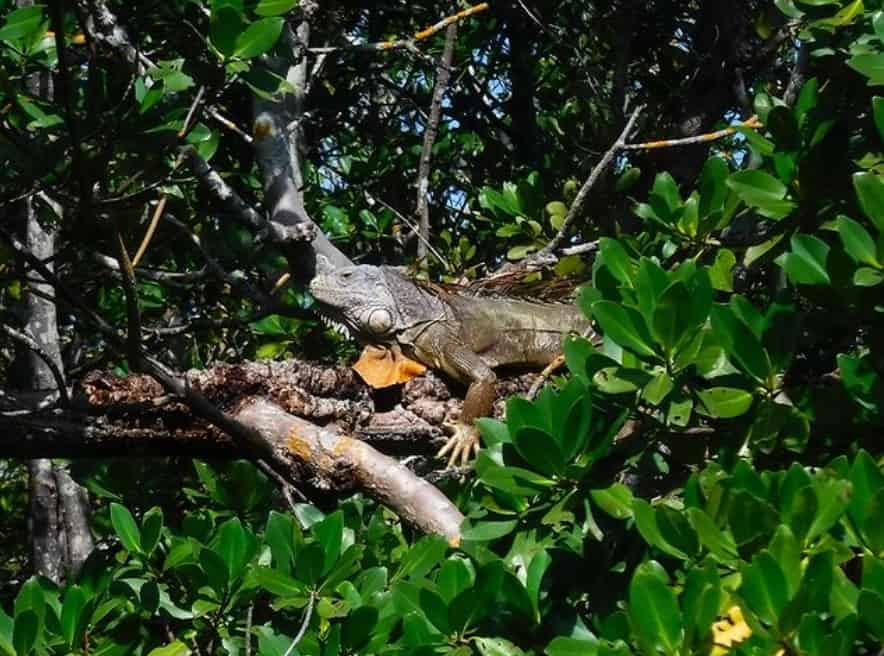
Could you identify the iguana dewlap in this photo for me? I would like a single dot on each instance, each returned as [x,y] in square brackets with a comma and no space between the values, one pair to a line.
[409,326]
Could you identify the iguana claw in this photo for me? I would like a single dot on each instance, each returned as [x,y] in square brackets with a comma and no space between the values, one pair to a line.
[463,444]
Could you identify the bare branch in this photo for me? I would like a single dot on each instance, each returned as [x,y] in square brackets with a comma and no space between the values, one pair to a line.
[548,251]
[30,343]
[408,43]
[443,74]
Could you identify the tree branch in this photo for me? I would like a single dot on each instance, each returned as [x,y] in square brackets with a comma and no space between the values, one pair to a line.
[443,74]
[548,252]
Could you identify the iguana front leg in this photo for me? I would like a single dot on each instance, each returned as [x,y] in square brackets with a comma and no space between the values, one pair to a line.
[461,363]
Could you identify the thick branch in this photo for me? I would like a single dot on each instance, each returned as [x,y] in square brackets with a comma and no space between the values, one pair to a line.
[318,426]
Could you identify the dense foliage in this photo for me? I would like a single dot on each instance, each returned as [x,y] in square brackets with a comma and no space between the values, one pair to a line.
[709,475]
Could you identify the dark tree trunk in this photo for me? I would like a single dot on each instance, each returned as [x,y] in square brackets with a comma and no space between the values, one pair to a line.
[53,508]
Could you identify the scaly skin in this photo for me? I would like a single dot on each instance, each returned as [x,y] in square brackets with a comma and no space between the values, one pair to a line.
[466,337]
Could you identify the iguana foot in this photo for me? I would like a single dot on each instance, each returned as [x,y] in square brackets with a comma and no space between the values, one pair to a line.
[463,444]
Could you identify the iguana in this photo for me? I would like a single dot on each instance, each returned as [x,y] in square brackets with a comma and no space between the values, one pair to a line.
[418,326]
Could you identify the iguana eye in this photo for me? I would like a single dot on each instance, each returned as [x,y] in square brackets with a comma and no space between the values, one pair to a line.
[380,321]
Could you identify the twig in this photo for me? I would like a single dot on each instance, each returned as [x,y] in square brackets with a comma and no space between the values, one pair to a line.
[133,313]
[151,229]
[407,43]
[577,206]
[161,205]
[413,227]
[308,613]
[543,376]
[230,125]
[185,128]
[751,122]
[580,249]
[31,343]
[247,647]
[443,74]
[223,192]
[285,487]
[158,275]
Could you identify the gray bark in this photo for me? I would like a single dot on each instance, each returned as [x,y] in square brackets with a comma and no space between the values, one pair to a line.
[279,134]
[48,521]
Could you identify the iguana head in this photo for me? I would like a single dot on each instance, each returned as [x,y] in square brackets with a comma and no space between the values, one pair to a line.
[361,298]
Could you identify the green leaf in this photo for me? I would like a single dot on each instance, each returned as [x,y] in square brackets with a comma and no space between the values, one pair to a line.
[873,527]
[787,552]
[540,450]
[258,38]
[125,528]
[31,597]
[658,389]
[878,114]
[615,258]
[720,544]
[215,568]
[521,251]
[653,611]
[435,609]
[646,522]
[22,23]
[664,195]
[615,500]
[870,607]
[556,207]
[764,587]
[870,65]
[721,273]
[761,191]
[870,193]
[676,530]
[651,281]
[231,545]
[833,496]
[73,621]
[624,325]
[496,647]
[275,7]
[725,402]
[539,564]
[572,647]
[151,527]
[743,347]
[627,179]
[713,185]
[330,533]
[788,8]
[423,556]
[226,26]
[176,648]
[357,628]
[866,480]
[857,241]
[280,535]
[866,277]
[672,315]
[24,632]
[454,577]
[277,583]
[806,263]
[701,599]
[488,531]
